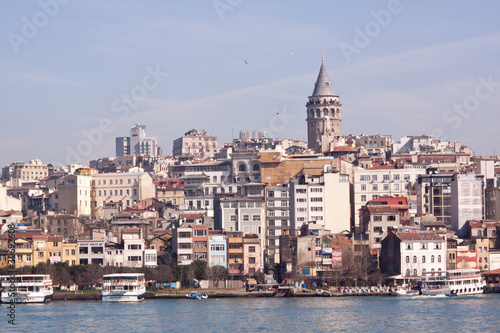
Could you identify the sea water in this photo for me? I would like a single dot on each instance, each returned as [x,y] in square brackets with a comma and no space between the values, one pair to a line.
[479,313]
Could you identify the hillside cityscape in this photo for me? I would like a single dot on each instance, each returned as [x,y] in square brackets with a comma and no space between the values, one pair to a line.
[339,209]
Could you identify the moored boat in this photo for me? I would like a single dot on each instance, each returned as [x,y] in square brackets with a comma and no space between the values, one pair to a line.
[404,291]
[34,288]
[123,287]
[457,282]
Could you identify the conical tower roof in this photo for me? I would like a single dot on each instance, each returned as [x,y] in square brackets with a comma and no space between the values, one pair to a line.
[323,86]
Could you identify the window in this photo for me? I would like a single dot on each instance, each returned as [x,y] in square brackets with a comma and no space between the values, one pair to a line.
[217,247]
[407,259]
[134,246]
[363,187]
[386,177]
[40,254]
[424,271]
[374,187]
[316,199]
[423,259]
[395,177]
[406,176]
[432,258]
[316,189]
[396,187]
[256,218]
[377,217]
[251,260]
[184,245]
[200,255]
[364,178]
[363,198]
[439,258]
[96,249]
[414,272]
[200,233]
[385,187]
[184,234]
[84,250]
[414,259]
[301,199]
[232,218]
[409,246]
[425,246]
[134,258]
[200,244]
[246,218]
[377,229]
[316,209]
[251,249]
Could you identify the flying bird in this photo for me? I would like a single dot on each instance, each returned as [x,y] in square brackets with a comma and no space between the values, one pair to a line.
[246,62]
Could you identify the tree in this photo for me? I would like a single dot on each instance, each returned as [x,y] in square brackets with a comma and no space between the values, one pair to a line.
[200,269]
[216,274]
[92,274]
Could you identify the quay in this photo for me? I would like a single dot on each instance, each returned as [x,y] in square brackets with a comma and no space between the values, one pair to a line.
[211,294]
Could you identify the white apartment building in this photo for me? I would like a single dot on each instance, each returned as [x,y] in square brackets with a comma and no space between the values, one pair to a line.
[133,248]
[322,199]
[467,197]
[383,181]
[87,195]
[241,214]
[26,171]
[196,143]
[277,220]
[421,253]
[182,243]
[75,195]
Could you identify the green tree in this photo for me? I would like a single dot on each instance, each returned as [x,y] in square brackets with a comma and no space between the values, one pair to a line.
[200,269]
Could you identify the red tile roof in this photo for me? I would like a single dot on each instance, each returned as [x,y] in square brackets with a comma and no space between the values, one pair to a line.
[192,216]
[381,209]
[418,236]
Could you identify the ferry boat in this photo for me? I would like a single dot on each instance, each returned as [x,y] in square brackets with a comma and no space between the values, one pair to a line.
[123,287]
[34,288]
[457,282]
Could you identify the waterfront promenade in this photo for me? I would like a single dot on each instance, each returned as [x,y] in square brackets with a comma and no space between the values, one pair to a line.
[225,293]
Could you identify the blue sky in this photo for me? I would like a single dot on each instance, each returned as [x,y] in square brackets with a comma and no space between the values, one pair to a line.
[400,68]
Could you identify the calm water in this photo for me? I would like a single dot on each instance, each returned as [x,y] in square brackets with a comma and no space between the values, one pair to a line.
[324,314]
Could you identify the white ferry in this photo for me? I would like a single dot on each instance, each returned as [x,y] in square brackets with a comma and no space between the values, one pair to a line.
[458,281]
[124,287]
[26,288]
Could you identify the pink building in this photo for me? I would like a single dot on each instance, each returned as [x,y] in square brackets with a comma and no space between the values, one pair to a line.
[251,255]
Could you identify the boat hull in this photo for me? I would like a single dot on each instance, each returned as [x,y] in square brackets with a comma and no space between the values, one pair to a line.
[30,298]
[123,298]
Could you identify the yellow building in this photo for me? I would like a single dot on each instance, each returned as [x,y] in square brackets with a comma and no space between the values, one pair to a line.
[235,258]
[33,248]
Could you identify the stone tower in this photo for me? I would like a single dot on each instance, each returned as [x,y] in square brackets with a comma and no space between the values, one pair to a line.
[323,113]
